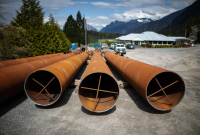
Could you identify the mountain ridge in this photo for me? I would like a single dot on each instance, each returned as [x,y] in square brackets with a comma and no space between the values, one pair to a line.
[124,27]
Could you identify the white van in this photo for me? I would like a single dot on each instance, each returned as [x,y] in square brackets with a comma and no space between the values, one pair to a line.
[120,48]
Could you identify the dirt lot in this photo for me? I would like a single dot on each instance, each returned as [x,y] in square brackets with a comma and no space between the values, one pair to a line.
[131,115]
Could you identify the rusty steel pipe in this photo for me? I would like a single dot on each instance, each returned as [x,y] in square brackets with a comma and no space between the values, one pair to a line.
[8,63]
[98,90]
[12,78]
[45,86]
[161,88]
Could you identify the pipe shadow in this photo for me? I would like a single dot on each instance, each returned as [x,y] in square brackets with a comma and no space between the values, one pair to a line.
[12,103]
[115,73]
[141,103]
[81,72]
[83,109]
[64,98]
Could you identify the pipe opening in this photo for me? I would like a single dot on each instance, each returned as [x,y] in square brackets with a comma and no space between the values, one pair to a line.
[98,92]
[83,49]
[43,88]
[165,90]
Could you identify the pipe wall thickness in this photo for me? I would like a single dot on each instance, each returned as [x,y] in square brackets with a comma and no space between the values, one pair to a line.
[98,90]
[161,88]
[12,78]
[8,63]
[45,86]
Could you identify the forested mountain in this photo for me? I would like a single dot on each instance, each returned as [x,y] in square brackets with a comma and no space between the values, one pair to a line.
[178,24]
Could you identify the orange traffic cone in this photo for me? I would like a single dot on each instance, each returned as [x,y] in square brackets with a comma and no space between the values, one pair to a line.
[187,48]
[181,48]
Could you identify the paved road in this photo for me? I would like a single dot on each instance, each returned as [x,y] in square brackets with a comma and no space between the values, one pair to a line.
[168,50]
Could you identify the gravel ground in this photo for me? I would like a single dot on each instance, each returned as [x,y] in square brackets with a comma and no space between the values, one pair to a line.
[131,115]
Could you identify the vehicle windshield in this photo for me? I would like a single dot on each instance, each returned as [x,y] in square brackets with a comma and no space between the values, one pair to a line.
[104,45]
[120,45]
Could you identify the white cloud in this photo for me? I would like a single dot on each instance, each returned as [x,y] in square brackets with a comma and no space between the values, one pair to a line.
[102,17]
[106,5]
[45,19]
[55,4]
[177,4]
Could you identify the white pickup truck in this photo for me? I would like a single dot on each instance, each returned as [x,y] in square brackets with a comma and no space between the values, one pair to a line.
[120,48]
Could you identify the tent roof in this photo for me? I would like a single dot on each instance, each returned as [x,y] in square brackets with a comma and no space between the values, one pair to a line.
[146,36]
[181,38]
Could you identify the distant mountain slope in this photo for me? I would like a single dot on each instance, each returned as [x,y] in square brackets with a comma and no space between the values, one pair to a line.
[124,27]
[180,21]
[158,24]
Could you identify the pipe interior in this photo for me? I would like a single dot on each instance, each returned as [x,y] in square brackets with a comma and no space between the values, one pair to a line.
[83,49]
[174,92]
[105,100]
[32,88]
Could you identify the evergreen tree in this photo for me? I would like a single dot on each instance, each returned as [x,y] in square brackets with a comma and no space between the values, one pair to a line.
[70,29]
[80,25]
[50,39]
[31,15]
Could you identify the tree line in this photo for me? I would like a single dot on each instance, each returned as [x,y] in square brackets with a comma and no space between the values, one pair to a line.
[27,34]
[75,31]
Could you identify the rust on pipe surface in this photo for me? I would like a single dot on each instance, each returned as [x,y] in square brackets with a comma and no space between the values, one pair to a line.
[45,86]
[98,90]
[8,63]
[161,88]
[12,78]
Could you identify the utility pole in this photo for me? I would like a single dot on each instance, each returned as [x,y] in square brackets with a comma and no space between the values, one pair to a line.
[148,26]
[159,24]
[170,28]
[85,24]
[153,25]
[185,32]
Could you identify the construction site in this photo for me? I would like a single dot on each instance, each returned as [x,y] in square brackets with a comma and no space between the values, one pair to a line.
[146,91]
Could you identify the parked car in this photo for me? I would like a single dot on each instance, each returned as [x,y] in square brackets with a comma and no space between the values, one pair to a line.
[120,48]
[130,46]
[104,46]
[112,46]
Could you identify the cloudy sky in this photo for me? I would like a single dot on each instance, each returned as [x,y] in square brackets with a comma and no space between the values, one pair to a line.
[100,13]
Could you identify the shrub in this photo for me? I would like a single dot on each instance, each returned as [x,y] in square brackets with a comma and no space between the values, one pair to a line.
[13,43]
[143,45]
[164,46]
[148,45]
[110,42]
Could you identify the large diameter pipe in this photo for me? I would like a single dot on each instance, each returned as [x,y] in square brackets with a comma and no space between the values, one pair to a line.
[12,78]
[161,88]
[45,86]
[8,63]
[98,90]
